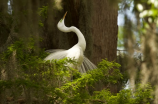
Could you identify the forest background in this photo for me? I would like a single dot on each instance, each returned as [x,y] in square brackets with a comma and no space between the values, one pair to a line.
[126,55]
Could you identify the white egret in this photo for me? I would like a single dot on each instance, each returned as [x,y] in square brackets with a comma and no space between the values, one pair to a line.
[76,52]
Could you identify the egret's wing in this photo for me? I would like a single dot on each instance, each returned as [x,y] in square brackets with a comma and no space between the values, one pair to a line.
[54,50]
[61,53]
[57,54]
[86,65]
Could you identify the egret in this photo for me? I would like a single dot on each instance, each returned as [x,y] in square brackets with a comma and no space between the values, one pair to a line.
[76,52]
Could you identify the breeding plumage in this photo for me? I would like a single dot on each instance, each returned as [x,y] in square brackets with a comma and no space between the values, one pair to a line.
[76,52]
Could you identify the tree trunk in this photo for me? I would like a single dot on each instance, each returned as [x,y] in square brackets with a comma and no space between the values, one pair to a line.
[104,31]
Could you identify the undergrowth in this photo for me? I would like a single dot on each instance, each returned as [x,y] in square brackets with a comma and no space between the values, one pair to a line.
[26,77]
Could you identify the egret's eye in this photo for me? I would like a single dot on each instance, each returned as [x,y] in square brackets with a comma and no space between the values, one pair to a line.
[61,20]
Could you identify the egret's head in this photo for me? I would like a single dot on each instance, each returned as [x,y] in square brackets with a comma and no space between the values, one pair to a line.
[61,24]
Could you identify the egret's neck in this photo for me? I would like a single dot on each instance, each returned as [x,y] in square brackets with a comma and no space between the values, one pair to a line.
[81,39]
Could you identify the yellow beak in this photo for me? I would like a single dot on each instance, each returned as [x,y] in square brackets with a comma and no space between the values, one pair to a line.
[64,15]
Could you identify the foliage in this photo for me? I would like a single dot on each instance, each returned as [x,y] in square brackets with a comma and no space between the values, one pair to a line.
[54,82]
[24,74]
[76,91]
[43,13]
[23,69]
[144,26]
[126,96]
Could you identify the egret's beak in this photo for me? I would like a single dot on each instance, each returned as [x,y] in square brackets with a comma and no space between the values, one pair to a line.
[64,15]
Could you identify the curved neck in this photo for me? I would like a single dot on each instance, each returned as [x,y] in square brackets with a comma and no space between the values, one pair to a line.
[81,40]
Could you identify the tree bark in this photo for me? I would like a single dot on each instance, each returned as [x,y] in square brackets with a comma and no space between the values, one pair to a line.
[104,31]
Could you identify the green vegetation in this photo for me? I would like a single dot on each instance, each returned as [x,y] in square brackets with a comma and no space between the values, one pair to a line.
[26,78]
[32,80]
